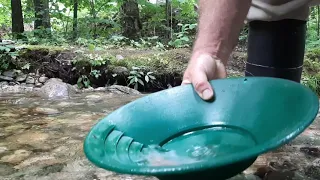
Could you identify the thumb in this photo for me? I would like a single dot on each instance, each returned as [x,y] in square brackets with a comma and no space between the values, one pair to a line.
[202,86]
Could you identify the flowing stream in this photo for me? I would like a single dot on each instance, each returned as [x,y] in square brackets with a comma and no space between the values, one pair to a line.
[42,139]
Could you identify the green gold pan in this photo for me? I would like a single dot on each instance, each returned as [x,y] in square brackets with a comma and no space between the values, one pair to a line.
[174,134]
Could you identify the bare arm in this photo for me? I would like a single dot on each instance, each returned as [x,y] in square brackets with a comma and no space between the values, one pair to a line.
[219,25]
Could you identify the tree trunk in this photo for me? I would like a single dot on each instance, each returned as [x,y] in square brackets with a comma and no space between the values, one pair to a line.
[42,15]
[93,13]
[46,15]
[17,19]
[38,15]
[168,11]
[130,19]
[75,19]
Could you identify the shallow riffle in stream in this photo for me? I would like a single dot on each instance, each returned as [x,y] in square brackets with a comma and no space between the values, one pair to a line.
[43,140]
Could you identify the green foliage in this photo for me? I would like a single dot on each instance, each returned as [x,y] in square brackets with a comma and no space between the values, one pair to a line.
[89,65]
[182,38]
[83,82]
[8,53]
[312,81]
[311,70]
[138,76]
[5,13]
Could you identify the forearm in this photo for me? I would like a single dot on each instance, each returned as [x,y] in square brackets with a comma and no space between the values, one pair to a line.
[219,25]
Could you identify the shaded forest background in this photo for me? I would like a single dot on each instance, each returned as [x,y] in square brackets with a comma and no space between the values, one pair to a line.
[46,28]
[167,24]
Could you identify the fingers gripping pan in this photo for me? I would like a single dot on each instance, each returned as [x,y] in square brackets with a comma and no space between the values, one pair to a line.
[173,134]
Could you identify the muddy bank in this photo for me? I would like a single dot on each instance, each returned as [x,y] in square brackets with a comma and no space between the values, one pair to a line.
[145,70]
[152,70]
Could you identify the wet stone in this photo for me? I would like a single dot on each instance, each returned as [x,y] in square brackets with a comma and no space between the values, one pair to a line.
[12,83]
[6,78]
[18,156]
[6,170]
[93,96]
[43,79]
[38,84]
[30,80]
[275,175]
[45,111]
[44,160]
[30,138]
[313,171]
[15,127]
[312,151]
[4,83]
[50,169]
[11,74]
[3,149]
[284,166]
[21,77]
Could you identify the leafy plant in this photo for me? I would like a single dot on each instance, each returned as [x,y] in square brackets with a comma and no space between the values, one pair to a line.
[8,53]
[83,82]
[138,76]
[182,38]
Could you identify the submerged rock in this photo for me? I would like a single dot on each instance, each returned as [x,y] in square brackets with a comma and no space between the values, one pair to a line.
[4,83]
[56,89]
[45,111]
[15,89]
[117,89]
[18,156]
[6,78]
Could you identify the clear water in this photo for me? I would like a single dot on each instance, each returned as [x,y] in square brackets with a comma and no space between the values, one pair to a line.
[156,156]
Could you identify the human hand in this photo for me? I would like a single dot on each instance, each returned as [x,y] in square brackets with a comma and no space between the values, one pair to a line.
[200,70]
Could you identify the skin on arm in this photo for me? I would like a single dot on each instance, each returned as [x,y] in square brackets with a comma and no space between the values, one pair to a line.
[220,22]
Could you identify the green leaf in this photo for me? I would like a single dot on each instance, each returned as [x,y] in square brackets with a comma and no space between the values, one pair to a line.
[146,78]
[185,38]
[133,72]
[141,82]
[152,77]
[131,81]
[79,80]
[26,66]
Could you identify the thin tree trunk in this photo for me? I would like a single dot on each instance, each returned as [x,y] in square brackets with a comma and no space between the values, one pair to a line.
[75,19]
[168,17]
[318,23]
